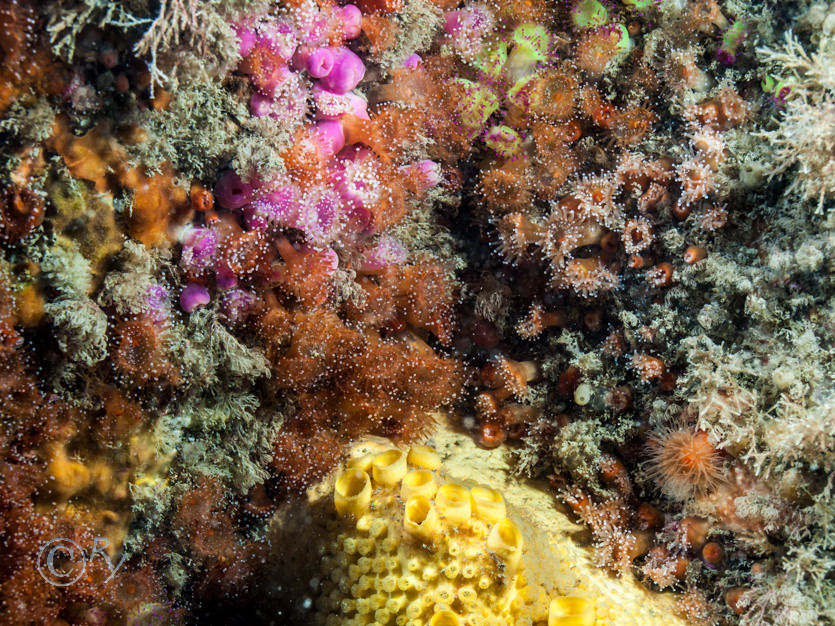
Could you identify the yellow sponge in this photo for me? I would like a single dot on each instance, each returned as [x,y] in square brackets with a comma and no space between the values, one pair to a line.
[412,549]
[570,611]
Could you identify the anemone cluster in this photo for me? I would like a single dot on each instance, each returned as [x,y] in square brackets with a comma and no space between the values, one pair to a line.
[594,235]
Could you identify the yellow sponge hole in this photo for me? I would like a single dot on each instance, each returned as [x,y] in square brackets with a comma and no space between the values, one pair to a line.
[506,541]
[389,467]
[444,618]
[424,457]
[420,519]
[453,502]
[361,462]
[352,493]
[418,483]
[570,611]
[488,504]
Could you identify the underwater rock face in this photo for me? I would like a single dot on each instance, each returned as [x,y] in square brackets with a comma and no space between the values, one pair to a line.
[583,248]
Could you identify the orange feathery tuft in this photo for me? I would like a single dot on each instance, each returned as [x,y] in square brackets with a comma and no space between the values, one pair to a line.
[392,132]
[305,274]
[683,462]
[377,308]
[371,133]
[400,381]
[247,254]
[303,159]
[392,206]
[380,6]
[274,327]
[425,298]
[138,354]
[381,32]
[320,341]
[301,458]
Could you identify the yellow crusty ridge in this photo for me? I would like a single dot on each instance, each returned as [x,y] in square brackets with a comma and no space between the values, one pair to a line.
[412,549]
